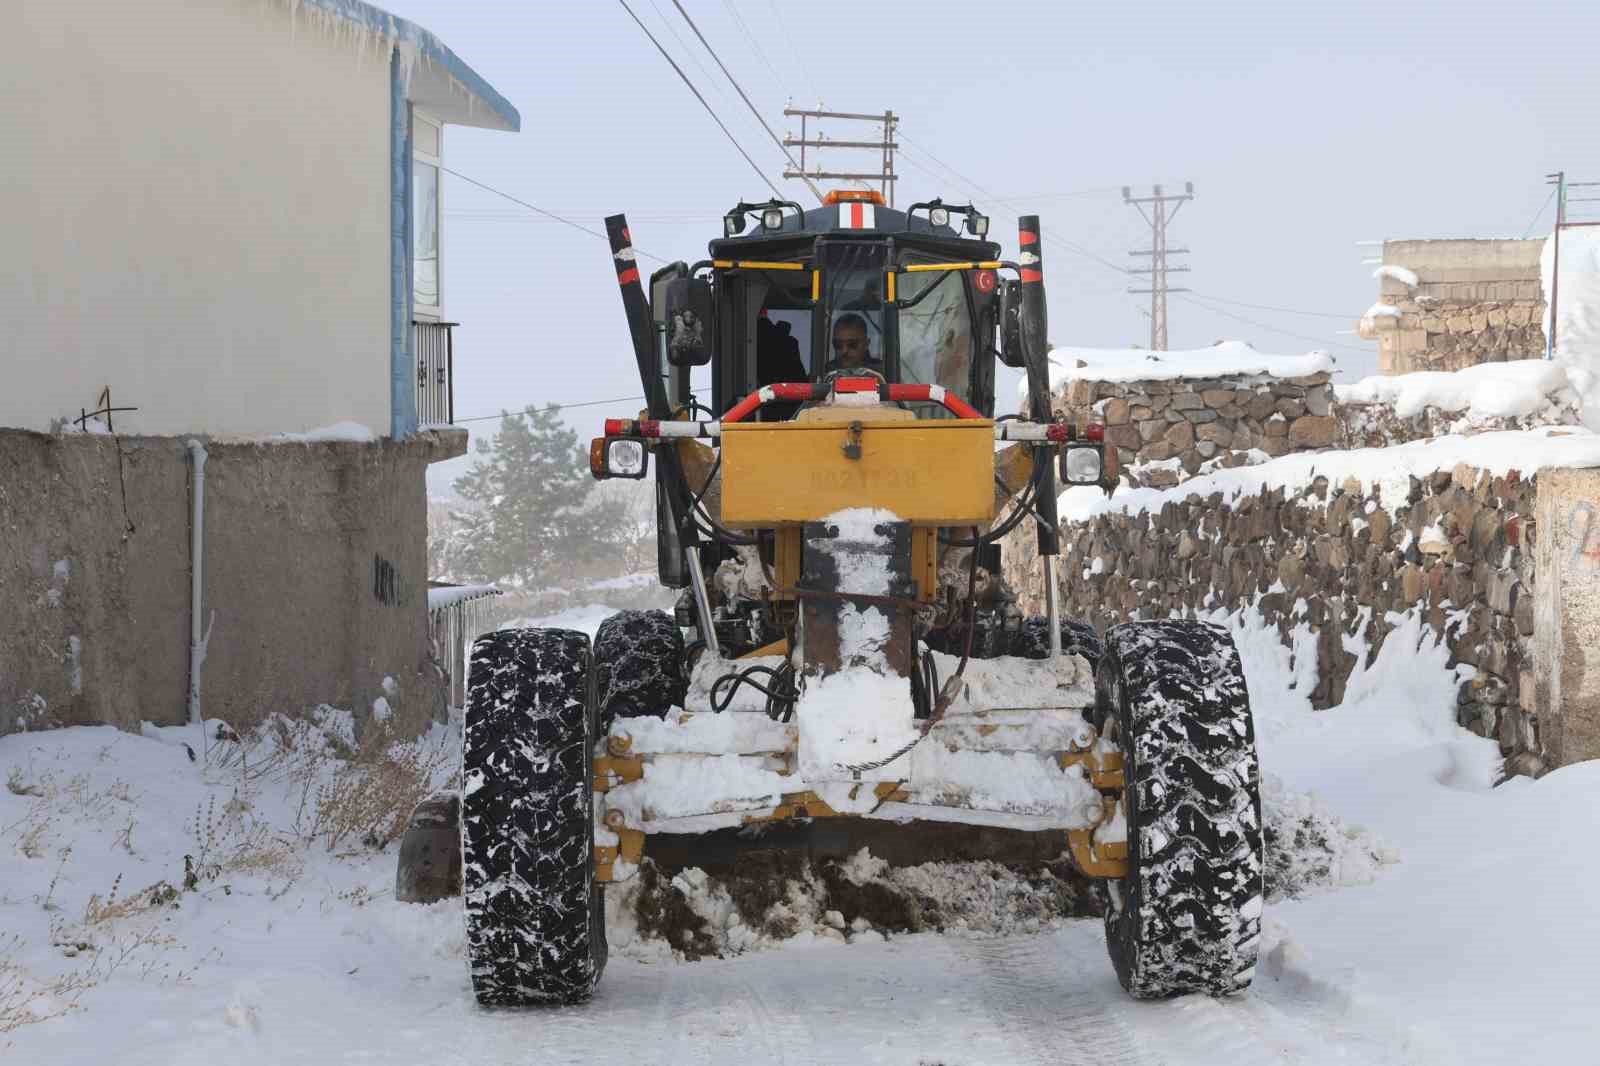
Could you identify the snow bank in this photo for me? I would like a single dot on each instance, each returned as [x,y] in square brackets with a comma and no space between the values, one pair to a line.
[1488,390]
[1142,364]
[1388,470]
[1577,325]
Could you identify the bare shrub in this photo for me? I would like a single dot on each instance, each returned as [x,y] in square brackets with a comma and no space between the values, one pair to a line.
[25,999]
[369,798]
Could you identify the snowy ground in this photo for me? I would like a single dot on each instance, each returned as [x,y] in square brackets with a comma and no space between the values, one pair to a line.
[1458,927]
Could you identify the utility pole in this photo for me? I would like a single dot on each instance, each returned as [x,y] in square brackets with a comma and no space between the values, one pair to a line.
[1559,180]
[885,147]
[1158,219]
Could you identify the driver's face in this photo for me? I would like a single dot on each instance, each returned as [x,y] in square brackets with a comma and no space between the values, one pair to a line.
[850,345]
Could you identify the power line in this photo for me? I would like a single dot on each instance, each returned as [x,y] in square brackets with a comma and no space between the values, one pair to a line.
[782,84]
[1192,298]
[1539,214]
[562,406]
[1269,307]
[740,90]
[1085,252]
[690,52]
[1071,246]
[799,54]
[548,214]
[709,109]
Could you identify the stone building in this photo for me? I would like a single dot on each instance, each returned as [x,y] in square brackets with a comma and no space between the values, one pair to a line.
[226,357]
[1444,305]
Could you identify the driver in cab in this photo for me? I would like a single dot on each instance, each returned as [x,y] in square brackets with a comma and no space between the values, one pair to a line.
[851,347]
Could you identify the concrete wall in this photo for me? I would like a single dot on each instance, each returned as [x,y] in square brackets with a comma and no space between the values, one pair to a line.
[195,203]
[1567,618]
[314,571]
[1475,302]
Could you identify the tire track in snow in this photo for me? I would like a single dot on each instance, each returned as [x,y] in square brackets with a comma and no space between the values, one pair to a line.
[1038,988]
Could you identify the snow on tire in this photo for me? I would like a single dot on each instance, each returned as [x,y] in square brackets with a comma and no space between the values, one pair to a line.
[1187,918]
[639,665]
[535,916]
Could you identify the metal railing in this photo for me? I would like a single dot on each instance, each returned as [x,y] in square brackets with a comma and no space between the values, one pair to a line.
[435,347]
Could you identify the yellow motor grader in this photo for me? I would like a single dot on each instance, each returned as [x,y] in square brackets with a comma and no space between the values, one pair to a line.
[832,489]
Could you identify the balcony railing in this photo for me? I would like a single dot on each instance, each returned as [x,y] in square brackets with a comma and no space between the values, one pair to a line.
[436,373]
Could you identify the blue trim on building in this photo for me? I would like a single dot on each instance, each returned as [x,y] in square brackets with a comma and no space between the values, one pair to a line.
[402,375]
[428,46]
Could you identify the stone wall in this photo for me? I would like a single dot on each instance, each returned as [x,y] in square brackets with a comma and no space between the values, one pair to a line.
[1473,302]
[1168,429]
[1339,560]
[314,578]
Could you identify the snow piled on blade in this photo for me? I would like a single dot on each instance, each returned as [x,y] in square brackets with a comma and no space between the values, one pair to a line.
[862,714]
[1143,364]
[1488,390]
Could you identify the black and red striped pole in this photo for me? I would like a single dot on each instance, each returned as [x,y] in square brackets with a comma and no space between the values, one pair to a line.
[1035,349]
[669,471]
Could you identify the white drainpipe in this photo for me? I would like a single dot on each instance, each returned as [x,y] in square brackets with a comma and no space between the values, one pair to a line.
[197,642]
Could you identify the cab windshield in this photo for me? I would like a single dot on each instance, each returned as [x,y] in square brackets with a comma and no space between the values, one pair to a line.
[935,329]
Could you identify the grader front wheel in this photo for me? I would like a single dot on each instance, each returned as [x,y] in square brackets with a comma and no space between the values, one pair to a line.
[1187,916]
[535,915]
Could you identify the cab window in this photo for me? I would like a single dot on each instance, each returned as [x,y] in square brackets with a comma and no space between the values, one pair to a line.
[936,331]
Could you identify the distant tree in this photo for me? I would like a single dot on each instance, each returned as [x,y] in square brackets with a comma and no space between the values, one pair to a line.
[529,513]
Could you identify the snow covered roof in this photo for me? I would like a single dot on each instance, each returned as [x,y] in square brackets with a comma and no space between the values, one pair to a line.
[438,81]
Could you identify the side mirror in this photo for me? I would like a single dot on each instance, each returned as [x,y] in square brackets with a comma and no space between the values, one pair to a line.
[688,318]
[618,457]
[1011,351]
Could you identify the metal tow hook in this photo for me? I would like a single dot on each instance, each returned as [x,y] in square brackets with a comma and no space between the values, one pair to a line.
[852,444]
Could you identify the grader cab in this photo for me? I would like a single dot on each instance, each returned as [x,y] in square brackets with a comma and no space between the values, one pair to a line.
[833,489]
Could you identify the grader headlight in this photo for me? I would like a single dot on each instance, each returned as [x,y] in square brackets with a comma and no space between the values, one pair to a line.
[617,457]
[1081,465]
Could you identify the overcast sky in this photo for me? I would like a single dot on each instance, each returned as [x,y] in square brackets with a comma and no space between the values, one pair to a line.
[1306,128]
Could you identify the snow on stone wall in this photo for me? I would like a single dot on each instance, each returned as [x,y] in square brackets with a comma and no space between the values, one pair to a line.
[1378,541]
[1395,408]
[1174,414]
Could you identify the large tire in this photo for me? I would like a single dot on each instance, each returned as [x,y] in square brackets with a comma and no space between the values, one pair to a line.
[1187,917]
[535,915]
[639,666]
[1032,639]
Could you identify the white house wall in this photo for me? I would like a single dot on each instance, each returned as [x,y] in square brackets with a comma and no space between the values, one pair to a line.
[194,199]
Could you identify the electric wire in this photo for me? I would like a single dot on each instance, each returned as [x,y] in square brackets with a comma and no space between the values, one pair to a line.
[1271,329]
[1540,213]
[561,406]
[1269,307]
[799,54]
[1080,250]
[742,95]
[756,44]
[703,102]
[548,214]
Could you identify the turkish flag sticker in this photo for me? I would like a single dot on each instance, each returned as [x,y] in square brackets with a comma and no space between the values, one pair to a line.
[985,281]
